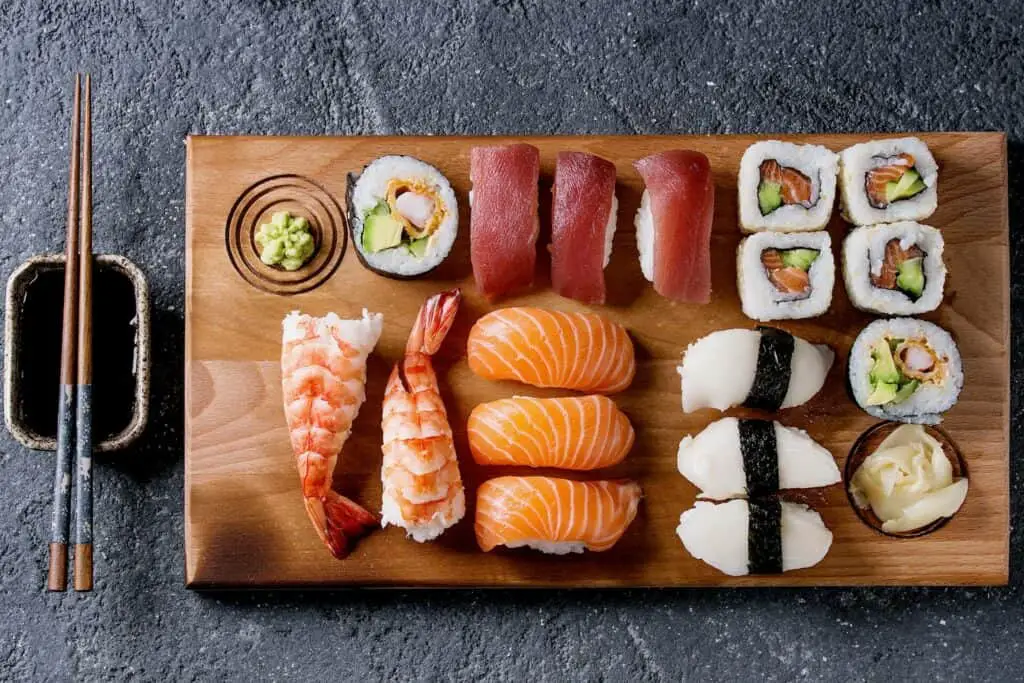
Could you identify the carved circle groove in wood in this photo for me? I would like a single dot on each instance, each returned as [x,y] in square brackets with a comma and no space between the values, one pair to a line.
[299,196]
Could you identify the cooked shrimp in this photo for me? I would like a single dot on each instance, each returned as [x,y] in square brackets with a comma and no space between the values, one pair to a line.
[423,490]
[323,378]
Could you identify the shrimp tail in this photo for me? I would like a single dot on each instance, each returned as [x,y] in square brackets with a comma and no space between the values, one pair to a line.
[339,521]
[433,322]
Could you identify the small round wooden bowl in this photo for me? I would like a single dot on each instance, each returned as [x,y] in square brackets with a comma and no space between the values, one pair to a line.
[299,196]
[868,443]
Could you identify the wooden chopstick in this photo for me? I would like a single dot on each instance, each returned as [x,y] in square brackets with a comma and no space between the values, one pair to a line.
[58,569]
[83,398]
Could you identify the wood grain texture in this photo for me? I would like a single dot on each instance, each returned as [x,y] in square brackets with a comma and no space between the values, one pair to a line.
[245,522]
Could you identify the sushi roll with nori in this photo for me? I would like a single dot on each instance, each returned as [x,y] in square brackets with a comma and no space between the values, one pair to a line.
[786,187]
[894,268]
[403,216]
[741,457]
[765,369]
[905,369]
[884,181]
[785,275]
[766,536]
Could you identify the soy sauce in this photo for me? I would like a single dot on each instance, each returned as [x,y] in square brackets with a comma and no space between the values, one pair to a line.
[113,351]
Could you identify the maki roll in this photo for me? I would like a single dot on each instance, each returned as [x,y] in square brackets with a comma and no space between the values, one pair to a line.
[785,275]
[741,457]
[905,369]
[895,268]
[754,537]
[786,187]
[403,216]
[884,181]
[765,369]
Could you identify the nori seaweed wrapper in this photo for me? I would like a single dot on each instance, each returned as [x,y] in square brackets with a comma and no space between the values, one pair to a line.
[760,457]
[764,536]
[774,366]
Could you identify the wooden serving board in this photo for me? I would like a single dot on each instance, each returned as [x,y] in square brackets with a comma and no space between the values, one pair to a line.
[245,522]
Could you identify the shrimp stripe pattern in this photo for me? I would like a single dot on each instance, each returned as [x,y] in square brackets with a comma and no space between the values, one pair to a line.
[323,382]
[538,511]
[580,351]
[422,486]
[573,433]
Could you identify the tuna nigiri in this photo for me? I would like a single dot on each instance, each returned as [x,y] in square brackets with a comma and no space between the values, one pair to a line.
[580,351]
[577,433]
[583,213]
[503,217]
[673,224]
[555,516]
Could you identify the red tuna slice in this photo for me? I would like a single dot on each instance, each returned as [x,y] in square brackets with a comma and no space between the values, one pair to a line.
[682,198]
[503,217]
[580,207]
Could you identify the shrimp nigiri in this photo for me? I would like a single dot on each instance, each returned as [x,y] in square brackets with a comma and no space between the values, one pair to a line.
[323,379]
[423,490]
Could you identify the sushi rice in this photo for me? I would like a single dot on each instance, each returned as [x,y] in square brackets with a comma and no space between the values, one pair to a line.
[370,188]
[761,299]
[857,161]
[644,223]
[931,398]
[863,254]
[819,164]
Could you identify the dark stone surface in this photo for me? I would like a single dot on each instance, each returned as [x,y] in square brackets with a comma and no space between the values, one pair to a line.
[164,69]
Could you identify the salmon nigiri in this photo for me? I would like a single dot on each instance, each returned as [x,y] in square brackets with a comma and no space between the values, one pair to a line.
[555,516]
[673,224]
[580,351]
[575,433]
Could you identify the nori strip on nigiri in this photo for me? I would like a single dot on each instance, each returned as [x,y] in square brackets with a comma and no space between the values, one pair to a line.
[760,456]
[764,536]
[774,364]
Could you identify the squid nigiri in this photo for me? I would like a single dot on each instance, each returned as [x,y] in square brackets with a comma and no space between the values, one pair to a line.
[556,516]
[323,379]
[504,224]
[673,224]
[580,351]
[583,215]
[575,433]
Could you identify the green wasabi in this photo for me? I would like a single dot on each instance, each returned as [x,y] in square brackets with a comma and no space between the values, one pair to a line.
[285,241]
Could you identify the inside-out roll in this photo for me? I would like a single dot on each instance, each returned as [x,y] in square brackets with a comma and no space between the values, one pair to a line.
[884,181]
[784,276]
[754,537]
[905,369]
[786,187]
[766,369]
[894,268]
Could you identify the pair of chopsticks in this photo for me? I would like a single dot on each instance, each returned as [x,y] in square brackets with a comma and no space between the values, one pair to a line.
[74,416]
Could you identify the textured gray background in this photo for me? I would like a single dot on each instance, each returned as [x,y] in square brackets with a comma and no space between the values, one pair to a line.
[165,69]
